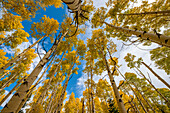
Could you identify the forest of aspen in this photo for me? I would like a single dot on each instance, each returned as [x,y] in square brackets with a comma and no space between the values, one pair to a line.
[84,56]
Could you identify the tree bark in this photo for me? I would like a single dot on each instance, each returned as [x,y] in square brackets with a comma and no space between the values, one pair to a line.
[146,13]
[157,38]
[116,92]
[74,5]
[134,92]
[50,101]
[89,94]
[162,80]
[4,85]
[17,98]
[92,100]
[83,106]
[3,100]
[19,56]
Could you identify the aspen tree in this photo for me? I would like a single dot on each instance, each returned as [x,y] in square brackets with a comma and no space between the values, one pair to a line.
[24,88]
[46,87]
[132,98]
[100,41]
[100,16]
[132,64]
[140,61]
[39,30]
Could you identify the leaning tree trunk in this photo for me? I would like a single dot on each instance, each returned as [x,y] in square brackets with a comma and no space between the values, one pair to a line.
[132,100]
[92,100]
[5,85]
[19,56]
[166,100]
[148,13]
[134,92]
[89,94]
[26,98]
[162,80]
[20,94]
[19,82]
[40,99]
[30,92]
[50,101]
[157,38]
[144,97]
[83,106]
[113,84]
[138,91]
[60,103]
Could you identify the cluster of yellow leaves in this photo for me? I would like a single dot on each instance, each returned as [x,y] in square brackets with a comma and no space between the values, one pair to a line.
[9,22]
[56,3]
[46,27]
[25,8]
[3,58]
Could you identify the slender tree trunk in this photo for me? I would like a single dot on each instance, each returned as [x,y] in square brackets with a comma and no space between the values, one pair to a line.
[157,38]
[162,80]
[51,106]
[134,92]
[19,56]
[89,94]
[116,92]
[83,106]
[20,81]
[148,13]
[132,100]
[17,98]
[5,85]
[140,93]
[8,71]
[144,97]
[41,97]
[50,101]
[58,109]
[166,100]
[92,100]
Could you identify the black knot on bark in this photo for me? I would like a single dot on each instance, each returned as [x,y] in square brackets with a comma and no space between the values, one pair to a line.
[27,91]
[25,83]
[166,41]
[121,95]
[17,94]
[6,106]
[147,38]
[139,36]
[120,100]
[144,32]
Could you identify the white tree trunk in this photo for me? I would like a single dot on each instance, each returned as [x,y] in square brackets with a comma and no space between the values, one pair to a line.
[157,38]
